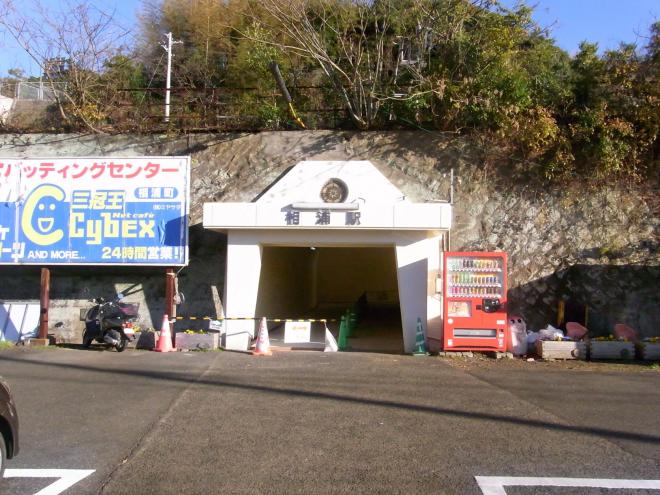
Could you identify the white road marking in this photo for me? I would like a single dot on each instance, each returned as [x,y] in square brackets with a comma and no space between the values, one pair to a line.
[494,485]
[66,478]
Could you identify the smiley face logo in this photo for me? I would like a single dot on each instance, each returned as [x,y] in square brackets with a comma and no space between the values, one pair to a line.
[41,211]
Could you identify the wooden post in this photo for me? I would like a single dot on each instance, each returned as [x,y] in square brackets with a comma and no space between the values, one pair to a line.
[44,299]
[169,297]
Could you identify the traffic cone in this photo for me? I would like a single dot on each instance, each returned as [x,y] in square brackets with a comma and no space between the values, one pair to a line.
[330,342]
[165,339]
[420,341]
[263,342]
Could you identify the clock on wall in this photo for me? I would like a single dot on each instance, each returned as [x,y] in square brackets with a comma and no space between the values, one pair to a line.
[334,191]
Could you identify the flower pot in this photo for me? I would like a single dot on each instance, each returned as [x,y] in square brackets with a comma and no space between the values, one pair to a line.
[565,349]
[648,351]
[611,349]
[197,341]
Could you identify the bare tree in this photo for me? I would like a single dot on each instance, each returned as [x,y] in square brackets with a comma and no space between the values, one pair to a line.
[371,51]
[307,35]
[71,46]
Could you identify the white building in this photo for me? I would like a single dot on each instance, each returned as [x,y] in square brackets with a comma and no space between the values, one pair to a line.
[322,236]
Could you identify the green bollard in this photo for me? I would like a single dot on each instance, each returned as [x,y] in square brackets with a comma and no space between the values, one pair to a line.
[352,318]
[342,344]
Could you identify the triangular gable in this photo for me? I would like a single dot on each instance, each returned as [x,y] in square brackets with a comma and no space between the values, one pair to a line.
[305,181]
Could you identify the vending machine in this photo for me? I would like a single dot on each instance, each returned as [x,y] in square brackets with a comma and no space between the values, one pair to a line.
[475,302]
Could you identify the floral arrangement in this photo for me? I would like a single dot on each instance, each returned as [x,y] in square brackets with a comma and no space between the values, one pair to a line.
[610,338]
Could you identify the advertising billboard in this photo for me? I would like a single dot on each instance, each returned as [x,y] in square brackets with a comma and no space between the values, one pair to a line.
[94,211]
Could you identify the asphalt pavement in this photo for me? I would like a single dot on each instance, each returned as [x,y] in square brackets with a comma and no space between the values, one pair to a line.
[320,423]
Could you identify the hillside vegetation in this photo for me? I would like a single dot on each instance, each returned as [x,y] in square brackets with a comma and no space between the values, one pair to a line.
[461,67]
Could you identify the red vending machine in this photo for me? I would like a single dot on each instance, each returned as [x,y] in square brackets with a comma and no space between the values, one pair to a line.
[475,302]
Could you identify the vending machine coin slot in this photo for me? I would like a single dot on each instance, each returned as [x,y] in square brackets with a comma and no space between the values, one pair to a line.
[491,305]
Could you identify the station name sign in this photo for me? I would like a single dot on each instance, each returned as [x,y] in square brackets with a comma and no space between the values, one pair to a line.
[321,217]
[94,211]
[400,215]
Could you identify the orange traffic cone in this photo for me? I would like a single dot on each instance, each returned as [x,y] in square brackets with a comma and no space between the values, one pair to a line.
[165,339]
[263,342]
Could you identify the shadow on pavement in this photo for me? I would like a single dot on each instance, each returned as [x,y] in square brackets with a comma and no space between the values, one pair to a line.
[168,376]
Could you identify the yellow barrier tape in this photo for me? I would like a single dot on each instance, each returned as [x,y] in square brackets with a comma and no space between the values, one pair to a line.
[277,320]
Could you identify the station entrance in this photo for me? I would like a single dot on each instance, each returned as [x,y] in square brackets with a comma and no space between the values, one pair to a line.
[326,282]
[328,236]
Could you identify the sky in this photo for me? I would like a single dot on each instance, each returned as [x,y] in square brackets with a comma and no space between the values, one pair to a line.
[607,22]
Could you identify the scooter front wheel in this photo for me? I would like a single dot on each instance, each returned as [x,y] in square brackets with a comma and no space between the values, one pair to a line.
[121,345]
[86,340]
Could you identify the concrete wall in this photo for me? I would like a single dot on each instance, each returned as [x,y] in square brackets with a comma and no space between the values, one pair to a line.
[285,283]
[597,243]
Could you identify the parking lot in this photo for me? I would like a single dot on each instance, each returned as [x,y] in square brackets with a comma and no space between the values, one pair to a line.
[312,422]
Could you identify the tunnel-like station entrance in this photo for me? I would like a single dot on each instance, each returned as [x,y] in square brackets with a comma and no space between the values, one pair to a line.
[326,282]
[329,237]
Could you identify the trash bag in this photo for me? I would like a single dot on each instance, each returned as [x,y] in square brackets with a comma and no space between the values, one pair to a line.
[550,333]
[532,337]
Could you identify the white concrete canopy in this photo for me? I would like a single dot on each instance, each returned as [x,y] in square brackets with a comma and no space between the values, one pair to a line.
[335,204]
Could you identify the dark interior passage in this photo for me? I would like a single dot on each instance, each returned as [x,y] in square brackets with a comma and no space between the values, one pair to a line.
[325,282]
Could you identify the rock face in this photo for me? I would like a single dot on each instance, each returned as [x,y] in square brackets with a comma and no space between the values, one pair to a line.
[595,245]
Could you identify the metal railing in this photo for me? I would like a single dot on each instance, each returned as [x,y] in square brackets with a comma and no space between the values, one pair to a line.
[32,90]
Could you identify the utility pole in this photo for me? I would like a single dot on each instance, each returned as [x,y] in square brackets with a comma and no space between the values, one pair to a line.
[168,49]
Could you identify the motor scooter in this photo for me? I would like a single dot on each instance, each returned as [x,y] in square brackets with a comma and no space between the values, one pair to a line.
[110,323]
